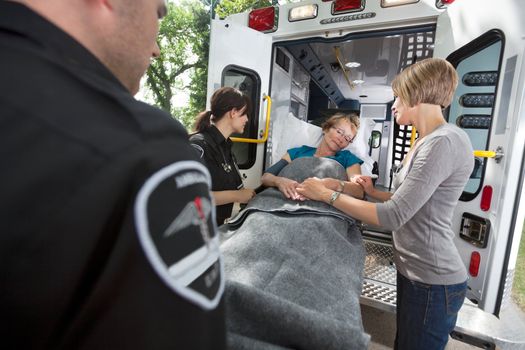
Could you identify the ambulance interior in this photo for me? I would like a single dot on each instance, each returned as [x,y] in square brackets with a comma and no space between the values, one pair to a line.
[313,79]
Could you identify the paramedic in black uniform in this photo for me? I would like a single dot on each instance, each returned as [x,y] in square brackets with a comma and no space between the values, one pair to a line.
[228,115]
[106,230]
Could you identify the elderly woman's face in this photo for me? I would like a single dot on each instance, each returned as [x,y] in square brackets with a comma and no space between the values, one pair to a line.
[339,135]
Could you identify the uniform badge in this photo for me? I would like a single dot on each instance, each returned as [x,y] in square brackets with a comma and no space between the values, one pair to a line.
[176,228]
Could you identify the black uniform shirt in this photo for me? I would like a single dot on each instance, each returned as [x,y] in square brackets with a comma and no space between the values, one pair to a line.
[216,152]
[106,231]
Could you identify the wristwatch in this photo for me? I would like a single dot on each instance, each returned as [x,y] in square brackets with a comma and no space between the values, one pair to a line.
[333,197]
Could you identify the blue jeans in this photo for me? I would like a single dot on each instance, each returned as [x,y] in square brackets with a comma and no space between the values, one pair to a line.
[426,313]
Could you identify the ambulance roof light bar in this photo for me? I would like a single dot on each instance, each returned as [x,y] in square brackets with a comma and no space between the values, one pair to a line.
[264,19]
[392,3]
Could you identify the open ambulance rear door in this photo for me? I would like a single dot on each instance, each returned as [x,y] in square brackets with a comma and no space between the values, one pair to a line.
[241,58]
[484,40]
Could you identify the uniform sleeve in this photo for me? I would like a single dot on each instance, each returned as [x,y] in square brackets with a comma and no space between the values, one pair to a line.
[137,223]
[431,166]
[199,145]
[202,150]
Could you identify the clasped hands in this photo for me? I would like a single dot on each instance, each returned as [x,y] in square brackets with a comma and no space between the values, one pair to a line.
[319,189]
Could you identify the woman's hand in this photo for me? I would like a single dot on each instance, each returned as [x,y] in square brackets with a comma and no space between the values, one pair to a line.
[365,182]
[288,188]
[244,195]
[313,188]
[332,184]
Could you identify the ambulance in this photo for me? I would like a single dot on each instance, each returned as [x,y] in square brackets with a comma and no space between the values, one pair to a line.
[304,60]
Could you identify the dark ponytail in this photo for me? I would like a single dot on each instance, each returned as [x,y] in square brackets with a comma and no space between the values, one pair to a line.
[222,101]
[202,122]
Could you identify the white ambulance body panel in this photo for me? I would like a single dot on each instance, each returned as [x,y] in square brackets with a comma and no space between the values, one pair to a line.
[240,46]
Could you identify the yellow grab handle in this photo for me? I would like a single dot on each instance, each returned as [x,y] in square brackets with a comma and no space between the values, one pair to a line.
[497,154]
[266,128]
[485,154]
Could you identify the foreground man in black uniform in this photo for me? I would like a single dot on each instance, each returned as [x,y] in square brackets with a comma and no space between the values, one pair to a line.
[107,236]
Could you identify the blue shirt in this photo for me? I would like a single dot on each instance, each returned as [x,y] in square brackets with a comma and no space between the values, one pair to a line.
[344,157]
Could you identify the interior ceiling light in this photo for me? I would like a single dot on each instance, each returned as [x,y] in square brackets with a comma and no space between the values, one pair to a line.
[352,64]
[390,3]
[358,82]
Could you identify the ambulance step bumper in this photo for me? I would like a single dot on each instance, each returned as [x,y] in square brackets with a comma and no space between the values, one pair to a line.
[474,326]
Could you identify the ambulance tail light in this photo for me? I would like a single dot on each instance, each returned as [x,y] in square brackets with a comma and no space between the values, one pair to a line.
[443,3]
[392,3]
[346,6]
[264,19]
[486,198]
[475,260]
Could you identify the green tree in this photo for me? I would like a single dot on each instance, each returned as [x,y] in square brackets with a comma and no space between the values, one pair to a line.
[183,41]
[184,36]
[229,7]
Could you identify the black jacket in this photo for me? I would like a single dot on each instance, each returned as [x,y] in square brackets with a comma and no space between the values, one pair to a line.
[216,152]
[101,199]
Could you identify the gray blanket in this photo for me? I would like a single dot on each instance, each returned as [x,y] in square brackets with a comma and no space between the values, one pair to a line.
[294,271]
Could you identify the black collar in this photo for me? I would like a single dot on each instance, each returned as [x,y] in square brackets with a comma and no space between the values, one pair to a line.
[217,137]
[45,36]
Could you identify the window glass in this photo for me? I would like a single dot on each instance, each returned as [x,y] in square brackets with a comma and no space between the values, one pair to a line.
[248,82]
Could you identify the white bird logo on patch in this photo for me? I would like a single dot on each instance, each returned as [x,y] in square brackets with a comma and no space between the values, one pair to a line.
[195,213]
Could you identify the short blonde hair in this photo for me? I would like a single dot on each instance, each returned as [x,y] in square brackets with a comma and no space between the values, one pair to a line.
[432,81]
[352,118]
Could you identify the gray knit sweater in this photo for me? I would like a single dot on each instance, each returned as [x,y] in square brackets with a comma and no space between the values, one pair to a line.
[421,208]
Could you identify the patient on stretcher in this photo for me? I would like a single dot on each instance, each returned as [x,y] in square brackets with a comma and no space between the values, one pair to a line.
[294,270]
[338,132]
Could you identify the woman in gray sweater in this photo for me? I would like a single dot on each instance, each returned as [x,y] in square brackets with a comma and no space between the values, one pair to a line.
[431,279]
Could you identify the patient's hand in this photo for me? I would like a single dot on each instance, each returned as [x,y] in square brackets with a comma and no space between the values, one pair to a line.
[332,184]
[365,182]
[288,188]
[244,195]
[313,188]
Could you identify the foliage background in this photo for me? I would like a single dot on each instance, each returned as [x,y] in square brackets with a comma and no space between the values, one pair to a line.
[182,67]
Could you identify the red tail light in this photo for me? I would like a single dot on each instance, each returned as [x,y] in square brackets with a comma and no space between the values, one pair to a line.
[345,6]
[443,3]
[475,260]
[486,198]
[264,19]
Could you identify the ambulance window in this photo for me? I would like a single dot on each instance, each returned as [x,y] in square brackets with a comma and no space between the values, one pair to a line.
[478,65]
[249,83]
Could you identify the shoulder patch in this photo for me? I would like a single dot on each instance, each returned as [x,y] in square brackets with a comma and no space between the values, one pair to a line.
[199,149]
[175,224]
